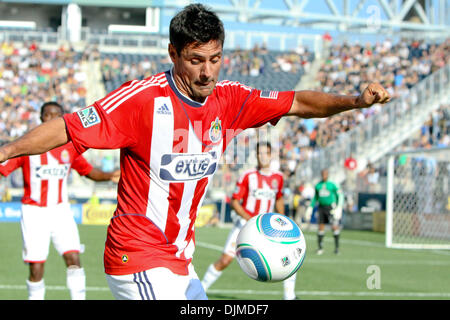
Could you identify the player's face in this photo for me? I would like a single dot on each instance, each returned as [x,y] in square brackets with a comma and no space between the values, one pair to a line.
[324,175]
[51,112]
[264,157]
[197,68]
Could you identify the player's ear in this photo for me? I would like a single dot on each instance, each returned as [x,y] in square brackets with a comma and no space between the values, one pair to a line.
[172,52]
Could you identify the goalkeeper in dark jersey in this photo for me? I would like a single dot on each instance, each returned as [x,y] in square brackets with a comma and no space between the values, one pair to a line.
[329,199]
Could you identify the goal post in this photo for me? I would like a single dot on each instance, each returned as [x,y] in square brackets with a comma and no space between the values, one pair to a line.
[418,199]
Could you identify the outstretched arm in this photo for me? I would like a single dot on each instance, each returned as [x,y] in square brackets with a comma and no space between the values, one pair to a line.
[279,205]
[316,104]
[41,139]
[99,175]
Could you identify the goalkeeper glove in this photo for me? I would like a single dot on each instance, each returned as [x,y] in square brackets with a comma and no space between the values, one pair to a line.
[337,212]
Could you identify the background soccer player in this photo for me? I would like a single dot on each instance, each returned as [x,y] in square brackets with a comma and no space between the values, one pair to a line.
[46,214]
[329,200]
[172,129]
[258,191]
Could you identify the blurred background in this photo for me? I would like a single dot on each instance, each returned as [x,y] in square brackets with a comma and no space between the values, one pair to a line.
[392,162]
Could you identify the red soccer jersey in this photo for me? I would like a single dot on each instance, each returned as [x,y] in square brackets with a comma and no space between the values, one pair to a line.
[170,149]
[258,191]
[45,175]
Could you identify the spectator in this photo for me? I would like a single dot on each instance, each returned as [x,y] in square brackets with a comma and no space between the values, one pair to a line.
[28,76]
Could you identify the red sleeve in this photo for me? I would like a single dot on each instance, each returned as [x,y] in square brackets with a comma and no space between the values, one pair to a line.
[82,166]
[241,188]
[105,125]
[280,188]
[259,107]
[10,165]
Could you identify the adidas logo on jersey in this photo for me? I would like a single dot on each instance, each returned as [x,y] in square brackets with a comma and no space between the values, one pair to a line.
[164,109]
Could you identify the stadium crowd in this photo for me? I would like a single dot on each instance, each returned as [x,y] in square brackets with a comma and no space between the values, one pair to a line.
[347,70]
[258,61]
[30,75]
[434,133]
[112,67]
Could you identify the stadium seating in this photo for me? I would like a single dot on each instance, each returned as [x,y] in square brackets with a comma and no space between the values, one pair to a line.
[267,77]
[346,69]
[30,76]
[117,67]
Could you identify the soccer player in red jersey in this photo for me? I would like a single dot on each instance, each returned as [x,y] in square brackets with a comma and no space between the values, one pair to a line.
[172,129]
[46,214]
[258,190]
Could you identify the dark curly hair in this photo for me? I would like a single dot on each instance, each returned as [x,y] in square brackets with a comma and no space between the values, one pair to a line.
[51,103]
[263,144]
[195,24]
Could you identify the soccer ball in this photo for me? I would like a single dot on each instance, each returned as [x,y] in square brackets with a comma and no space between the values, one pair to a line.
[270,247]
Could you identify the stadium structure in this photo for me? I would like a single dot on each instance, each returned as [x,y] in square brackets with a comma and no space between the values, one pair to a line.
[290,42]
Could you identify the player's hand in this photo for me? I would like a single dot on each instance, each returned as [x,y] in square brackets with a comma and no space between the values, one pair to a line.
[374,93]
[115,176]
[336,212]
[308,214]
[3,156]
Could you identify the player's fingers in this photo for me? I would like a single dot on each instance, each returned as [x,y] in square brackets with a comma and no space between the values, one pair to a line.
[384,97]
[377,97]
[3,157]
[381,95]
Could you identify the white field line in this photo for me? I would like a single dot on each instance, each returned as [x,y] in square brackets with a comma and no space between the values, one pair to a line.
[52,288]
[371,293]
[323,260]
[311,237]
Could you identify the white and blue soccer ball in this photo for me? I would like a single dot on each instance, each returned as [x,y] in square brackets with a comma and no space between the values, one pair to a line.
[270,247]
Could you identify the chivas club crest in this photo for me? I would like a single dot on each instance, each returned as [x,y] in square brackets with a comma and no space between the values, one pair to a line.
[274,184]
[65,157]
[215,132]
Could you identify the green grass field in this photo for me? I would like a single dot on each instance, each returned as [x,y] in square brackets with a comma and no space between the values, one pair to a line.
[404,274]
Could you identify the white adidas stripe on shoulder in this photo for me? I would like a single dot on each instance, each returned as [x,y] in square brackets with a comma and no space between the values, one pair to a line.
[128,88]
[136,91]
[123,91]
[115,100]
[224,83]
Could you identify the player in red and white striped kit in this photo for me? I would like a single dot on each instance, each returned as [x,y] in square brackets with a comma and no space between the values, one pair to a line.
[172,129]
[46,214]
[258,190]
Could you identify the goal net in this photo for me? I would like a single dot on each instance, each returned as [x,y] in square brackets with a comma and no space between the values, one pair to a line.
[418,199]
